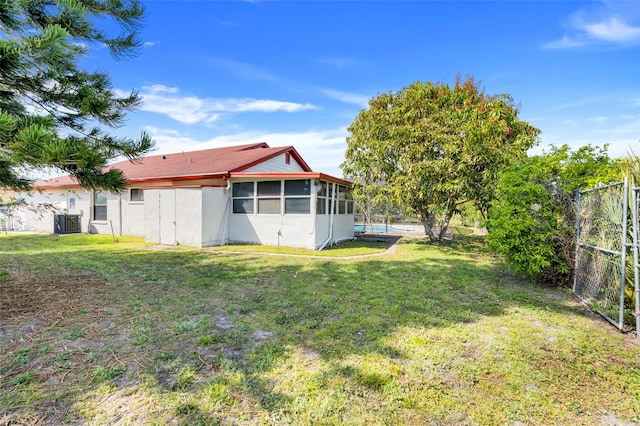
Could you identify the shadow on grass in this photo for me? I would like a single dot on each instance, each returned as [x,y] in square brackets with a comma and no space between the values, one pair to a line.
[253,309]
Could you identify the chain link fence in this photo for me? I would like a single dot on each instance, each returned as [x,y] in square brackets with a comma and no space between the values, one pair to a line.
[601,253]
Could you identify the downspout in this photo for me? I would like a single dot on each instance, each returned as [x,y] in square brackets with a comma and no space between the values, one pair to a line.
[333,205]
[227,212]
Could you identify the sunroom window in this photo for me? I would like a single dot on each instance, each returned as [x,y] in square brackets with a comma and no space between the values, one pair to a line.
[243,197]
[297,196]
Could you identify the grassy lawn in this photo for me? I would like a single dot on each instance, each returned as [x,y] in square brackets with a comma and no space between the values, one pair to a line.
[97,332]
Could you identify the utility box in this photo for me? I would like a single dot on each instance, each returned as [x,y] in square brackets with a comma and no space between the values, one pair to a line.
[66,224]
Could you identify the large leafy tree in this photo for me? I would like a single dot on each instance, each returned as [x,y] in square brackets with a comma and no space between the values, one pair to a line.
[532,219]
[53,113]
[431,147]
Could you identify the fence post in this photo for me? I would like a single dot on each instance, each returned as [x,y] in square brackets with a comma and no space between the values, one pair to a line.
[623,261]
[578,200]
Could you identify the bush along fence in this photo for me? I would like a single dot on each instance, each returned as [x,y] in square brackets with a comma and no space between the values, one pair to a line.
[607,276]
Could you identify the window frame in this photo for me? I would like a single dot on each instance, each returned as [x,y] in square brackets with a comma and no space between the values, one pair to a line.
[290,194]
[243,198]
[322,198]
[268,195]
[100,206]
[139,198]
[293,194]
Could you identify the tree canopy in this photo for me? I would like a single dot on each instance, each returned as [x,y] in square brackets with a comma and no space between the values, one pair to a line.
[431,147]
[53,113]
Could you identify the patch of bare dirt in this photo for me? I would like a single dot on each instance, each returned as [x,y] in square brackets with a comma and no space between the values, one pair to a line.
[51,327]
[41,298]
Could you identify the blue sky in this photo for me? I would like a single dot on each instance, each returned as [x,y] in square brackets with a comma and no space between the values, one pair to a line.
[217,73]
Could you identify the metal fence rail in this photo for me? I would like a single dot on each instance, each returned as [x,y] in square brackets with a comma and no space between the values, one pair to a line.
[601,251]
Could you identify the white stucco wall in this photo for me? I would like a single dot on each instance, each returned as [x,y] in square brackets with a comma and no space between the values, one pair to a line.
[151,215]
[37,219]
[133,222]
[290,230]
[34,219]
[112,224]
[160,216]
[187,216]
[188,212]
[216,207]
[342,228]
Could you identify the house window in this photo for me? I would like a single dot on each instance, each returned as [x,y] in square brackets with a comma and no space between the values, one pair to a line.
[136,194]
[269,196]
[269,188]
[297,205]
[243,205]
[99,205]
[321,198]
[269,205]
[72,202]
[243,193]
[345,200]
[342,202]
[349,198]
[266,197]
[297,199]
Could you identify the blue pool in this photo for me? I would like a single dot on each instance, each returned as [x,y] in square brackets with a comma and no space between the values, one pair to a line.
[378,228]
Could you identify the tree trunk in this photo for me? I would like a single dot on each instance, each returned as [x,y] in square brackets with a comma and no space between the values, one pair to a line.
[428,220]
[444,225]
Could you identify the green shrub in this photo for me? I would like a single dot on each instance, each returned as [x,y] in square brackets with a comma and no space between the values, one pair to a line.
[532,219]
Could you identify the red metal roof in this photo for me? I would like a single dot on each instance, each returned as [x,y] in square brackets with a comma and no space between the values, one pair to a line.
[216,162]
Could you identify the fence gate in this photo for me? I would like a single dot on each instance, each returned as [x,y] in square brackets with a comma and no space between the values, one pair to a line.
[601,252]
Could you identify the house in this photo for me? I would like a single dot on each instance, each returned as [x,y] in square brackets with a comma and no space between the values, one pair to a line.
[7,221]
[241,194]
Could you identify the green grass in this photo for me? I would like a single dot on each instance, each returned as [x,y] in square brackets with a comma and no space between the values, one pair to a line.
[93,331]
[342,249]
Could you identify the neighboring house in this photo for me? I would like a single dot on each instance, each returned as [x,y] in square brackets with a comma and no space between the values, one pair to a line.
[7,221]
[241,194]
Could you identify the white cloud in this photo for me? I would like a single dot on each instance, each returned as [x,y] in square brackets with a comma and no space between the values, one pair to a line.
[192,109]
[347,97]
[613,30]
[147,44]
[161,88]
[564,43]
[608,23]
[323,150]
